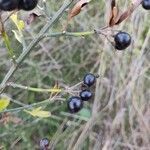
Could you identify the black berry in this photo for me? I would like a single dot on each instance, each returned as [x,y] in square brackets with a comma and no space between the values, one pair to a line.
[8,5]
[27,4]
[89,79]
[44,143]
[75,104]
[146,4]
[85,95]
[122,40]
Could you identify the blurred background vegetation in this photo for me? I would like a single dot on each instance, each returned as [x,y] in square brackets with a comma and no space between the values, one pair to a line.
[123,84]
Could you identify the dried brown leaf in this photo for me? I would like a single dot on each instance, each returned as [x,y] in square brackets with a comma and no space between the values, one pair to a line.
[128,12]
[77,9]
[115,16]
[112,12]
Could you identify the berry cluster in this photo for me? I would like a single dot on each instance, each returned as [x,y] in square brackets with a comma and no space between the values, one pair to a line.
[75,103]
[146,4]
[10,5]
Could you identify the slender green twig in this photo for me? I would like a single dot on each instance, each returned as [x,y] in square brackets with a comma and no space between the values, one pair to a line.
[87,33]
[17,102]
[12,100]
[24,54]
[45,90]
[53,90]
[47,101]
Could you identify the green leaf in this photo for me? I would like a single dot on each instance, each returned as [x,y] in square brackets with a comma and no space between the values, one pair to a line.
[20,26]
[4,102]
[37,112]
[18,36]
[85,113]
[8,45]
[19,23]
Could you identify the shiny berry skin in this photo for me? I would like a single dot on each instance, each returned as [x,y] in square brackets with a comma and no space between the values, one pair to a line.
[44,143]
[89,79]
[85,95]
[27,5]
[146,4]
[8,5]
[75,104]
[122,40]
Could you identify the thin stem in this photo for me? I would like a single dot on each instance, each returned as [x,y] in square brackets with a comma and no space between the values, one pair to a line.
[87,33]
[25,53]
[13,100]
[53,90]
[31,106]
[17,102]
[50,90]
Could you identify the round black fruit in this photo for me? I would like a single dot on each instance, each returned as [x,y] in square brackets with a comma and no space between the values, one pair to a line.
[8,5]
[27,4]
[89,79]
[44,143]
[75,104]
[146,4]
[122,40]
[85,95]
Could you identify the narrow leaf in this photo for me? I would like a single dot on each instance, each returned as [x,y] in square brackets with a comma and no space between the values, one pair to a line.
[115,16]
[85,113]
[37,112]
[129,11]
[8,45]
[19,23]
[55,89]
[77,8]
[18,36]
[114,13]
[4,102]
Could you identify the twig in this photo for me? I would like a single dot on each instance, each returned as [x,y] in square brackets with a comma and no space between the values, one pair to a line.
[76,34]
[47,101]
[52,90]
